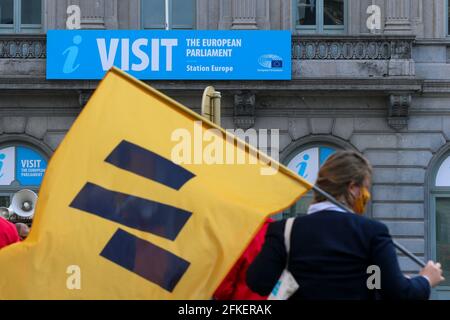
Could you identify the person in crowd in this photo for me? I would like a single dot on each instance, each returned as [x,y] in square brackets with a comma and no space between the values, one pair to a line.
[234,286]
[331,249]
[8,233]
[23,230]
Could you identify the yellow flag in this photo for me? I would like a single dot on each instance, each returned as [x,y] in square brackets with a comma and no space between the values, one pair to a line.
[123,214]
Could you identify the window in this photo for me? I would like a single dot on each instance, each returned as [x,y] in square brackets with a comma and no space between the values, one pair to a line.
[20,16]
[320,16]
[447,12]
[175,14]
[440,220]
[21,167]
[307,162]
[443,234]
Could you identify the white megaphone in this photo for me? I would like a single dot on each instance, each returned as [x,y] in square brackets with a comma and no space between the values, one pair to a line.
[5,212]
[23,204]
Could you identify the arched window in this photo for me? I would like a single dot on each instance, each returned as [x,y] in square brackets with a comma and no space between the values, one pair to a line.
[21,167]
[440,221]
[306,161]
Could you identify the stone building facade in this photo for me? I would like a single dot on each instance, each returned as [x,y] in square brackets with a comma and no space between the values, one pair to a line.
[385,93]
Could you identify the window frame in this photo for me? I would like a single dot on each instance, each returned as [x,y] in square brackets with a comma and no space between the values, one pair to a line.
[170,27]
[17,26]
[443,192]
[434,193]
[319,27]
[447,27]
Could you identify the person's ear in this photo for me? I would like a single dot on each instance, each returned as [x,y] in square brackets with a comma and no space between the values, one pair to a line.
[354,189]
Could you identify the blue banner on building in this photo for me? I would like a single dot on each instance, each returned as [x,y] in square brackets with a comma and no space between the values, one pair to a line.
[170,55]
[30,167]
[23,165]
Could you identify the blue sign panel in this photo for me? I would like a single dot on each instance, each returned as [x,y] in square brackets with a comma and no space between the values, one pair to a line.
[308,163]
[30,167]
[23,165]
[170,55]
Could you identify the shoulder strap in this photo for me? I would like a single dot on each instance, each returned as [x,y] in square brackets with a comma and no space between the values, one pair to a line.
[287,235]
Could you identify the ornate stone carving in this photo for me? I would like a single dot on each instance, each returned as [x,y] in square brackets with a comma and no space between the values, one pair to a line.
[398,115]
[398,15]
[21,47]
[244,14]
[244,110]
[351,48]
[401,50]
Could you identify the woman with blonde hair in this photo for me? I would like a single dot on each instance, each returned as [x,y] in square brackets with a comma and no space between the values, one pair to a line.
[331,250]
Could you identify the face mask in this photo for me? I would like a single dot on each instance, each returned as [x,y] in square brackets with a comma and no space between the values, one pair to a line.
[360,203]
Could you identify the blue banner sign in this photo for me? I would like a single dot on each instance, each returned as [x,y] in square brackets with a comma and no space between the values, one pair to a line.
[170,55]
[30,167]
[23,165]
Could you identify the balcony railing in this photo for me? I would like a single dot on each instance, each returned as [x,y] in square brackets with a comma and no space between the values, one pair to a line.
[308,47]
[314,47]
[303,47]
[22,46]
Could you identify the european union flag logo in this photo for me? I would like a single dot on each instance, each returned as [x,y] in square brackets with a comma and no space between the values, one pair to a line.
[277,63]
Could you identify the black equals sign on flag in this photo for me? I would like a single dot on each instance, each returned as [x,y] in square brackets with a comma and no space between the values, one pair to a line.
[136,255]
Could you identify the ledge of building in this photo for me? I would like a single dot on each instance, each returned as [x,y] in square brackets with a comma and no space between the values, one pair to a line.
[379,85]
[432,41]
[436,86]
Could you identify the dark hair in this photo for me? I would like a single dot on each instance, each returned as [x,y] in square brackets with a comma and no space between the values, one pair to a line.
[339,171]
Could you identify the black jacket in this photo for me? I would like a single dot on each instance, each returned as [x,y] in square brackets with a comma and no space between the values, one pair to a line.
[330,254]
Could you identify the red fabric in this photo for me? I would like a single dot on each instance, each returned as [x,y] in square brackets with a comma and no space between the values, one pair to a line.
[234,286]
[8,233]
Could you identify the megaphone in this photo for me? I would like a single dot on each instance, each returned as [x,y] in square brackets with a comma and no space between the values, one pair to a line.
[5,212]
[23,204]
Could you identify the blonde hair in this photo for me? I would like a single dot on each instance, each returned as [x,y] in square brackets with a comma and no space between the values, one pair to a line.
[339,171]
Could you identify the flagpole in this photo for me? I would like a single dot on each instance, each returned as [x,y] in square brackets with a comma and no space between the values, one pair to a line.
[400,247]
[167,12]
